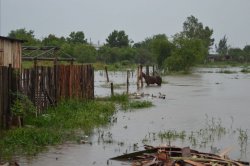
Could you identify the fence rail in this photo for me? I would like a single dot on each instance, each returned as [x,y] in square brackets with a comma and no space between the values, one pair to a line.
[44,86]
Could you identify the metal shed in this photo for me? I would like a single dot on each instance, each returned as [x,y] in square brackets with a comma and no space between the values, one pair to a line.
[10,52]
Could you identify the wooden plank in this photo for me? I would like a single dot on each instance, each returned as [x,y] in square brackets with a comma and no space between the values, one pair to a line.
[1,97]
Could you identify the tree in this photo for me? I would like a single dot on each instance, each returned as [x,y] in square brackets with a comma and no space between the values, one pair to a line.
[222,47]
[187,53]
[77,37]
[27,36]
[161,47]
[158,47]
[117,39]
[237,54]
[53,40]
[247,52]
[193,29]
[84,53]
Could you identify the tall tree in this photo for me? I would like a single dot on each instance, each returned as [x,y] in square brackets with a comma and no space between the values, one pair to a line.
[222,47]
[77,37]
[161,47]
[193,29]
[187,53]
[117,39]
[23,34]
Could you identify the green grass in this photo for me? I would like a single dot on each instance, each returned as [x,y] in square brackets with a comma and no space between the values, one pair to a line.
[56,126]
[138,104]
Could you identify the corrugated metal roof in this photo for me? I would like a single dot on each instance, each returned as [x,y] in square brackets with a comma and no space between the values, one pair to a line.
[12,39]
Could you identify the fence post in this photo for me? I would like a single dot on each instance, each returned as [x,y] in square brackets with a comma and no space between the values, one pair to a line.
[107,75]
[153,70]
[55,80]
[8,112]
[138,77]
[128,81]
[141,76]
[112,89]
[147,70]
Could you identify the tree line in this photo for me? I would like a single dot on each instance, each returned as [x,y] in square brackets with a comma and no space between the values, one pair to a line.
[181,52]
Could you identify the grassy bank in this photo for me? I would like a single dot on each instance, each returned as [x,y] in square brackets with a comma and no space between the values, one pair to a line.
[55,127]
[67,122]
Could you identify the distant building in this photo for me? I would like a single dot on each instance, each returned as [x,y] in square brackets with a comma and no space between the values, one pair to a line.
[10,52]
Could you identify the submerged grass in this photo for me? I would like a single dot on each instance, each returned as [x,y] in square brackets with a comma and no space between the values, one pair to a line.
[126,103]
[137,105]
[63,123]
[56,126]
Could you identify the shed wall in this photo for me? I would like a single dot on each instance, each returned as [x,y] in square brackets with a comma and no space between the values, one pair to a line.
[10,53]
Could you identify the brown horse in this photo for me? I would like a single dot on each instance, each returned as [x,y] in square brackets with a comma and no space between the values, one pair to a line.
[152,79]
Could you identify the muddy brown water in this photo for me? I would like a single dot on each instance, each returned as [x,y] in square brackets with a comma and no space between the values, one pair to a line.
[191,102]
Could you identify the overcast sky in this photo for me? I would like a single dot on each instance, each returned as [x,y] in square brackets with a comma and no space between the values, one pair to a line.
[138,18]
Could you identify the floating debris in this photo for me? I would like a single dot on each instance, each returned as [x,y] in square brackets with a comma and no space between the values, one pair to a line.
[176,156]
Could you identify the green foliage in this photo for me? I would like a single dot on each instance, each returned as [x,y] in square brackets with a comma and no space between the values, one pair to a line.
[139,104]
[120,98]
[193,29]
[77,37]
[56,126]
[116,54]
[186,54]
[22,106]
[23,34]
[247,53]
[145,56]
[237,54]
[84,53]
[154,50]
[28,140]
[161,47]
[117,39]
[222,47]
[53,40]
[75,114]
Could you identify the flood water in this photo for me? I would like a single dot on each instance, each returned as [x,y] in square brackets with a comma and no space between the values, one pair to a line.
[193,102]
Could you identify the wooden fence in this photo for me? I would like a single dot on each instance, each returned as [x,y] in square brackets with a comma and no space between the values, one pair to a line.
[45,86]
[8,84]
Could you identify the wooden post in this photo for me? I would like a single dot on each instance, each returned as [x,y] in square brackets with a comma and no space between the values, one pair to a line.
[147,70]
[106,71]
[55,81]
[1,98]
[112,89]
[35,62]
[138,77]
[153,70]
[141,76]
[8,112]
[72,61]
[127,81]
